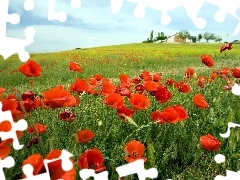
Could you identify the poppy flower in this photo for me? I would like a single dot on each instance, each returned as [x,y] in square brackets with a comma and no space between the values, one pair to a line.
[182,87]
[58,97]
[201,81]
[1,91]
[224,72]
[13,105]
[84,135]
[34,140]
[73,66]
[213,75]
[107,87]
[236,72]
[162,94]
[170,115]
[135,150]
[200,101]
[37,128]
[98,77]
[28,95]
[30,69]
[207,60]
[157,117]
[169,82]
[114,100]
[210,143]
[5,145]
[67,116]
[136,80]
[91,159]
[150,86]
[123,91]
[125,80]
[189,73]
[181,112]
[123,111]
[139,101]
[145,75]
[139,88]
[224,47]
[156,77]
[79,86]
[55,168]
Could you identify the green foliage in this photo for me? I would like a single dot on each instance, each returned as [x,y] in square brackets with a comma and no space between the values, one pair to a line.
[209,36]
[183,34]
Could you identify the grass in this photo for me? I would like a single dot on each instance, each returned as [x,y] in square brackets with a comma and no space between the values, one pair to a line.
[173,149]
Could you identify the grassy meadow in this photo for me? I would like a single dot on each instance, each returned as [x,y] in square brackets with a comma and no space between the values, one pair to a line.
[174,149]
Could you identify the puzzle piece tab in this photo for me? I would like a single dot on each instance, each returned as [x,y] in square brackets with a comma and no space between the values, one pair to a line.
[137,167]
[20,125]
[9,45]
[87,173]
[66,166]
[7,162]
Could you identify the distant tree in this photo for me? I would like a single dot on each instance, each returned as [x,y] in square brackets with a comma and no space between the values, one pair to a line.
[151,36]
[183,34]
[194,39]
[209,36]
[199,37]
[161,37]
[218,39]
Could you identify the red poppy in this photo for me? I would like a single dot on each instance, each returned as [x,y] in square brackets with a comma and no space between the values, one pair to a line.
[1,91]
[145,75]
[34,140]
[5,145]
[201,81]
[114,100]
[226,46]
[84,135]
[91,159]
[58,97]
[136,80]
[55,168]
[181,112]
[224,72]
[207,60]
[67,116]
[157,77]
[37,128]
[210,143]
[162,94]
[10,103]
[125,80]
[139,101]
[200,101]
[150,86]
[107,87]
[30,69]
[123,91]
[182,87]
[73,66]
[236,72]
[157,117]
[139,88]
[170,115]
[124,112]
[28,95]
[135,150]
[98,77]
[213,75]
[169,82]
[79,86]
[189,72]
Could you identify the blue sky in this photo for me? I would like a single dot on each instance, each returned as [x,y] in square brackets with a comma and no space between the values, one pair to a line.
[94,24]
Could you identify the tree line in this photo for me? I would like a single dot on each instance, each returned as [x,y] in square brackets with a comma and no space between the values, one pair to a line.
[185,34]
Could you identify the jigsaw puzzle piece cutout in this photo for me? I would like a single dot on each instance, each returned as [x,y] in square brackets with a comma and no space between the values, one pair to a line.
[54,15]
[75,3]
[20,125]
[87,173]
[160,5]
[192,9]
[230,175]
[28,5]
[116,5]
[137,167]
[7,162]
[66,164]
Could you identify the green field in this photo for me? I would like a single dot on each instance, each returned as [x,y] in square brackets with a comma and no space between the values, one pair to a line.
[174,149]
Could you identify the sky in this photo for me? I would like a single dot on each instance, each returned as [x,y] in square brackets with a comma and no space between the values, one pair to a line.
[94,24]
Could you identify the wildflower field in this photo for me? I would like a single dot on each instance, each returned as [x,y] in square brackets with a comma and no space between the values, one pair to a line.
[109,106]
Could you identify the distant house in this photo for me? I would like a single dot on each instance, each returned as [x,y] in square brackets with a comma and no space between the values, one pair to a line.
[176,39]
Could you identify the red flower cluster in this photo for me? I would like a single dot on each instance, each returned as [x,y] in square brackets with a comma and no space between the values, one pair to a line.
[227,46]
